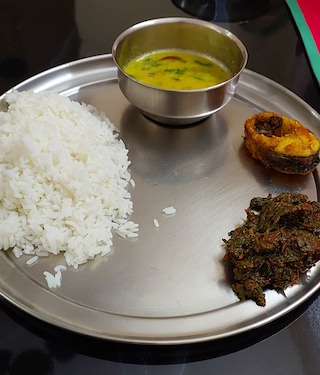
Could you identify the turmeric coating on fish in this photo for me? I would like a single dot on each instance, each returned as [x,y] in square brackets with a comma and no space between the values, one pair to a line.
[281,143]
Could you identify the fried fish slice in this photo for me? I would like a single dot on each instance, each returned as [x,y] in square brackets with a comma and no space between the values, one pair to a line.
[281,143]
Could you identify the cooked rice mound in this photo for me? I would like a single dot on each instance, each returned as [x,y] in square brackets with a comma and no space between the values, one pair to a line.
[63,179]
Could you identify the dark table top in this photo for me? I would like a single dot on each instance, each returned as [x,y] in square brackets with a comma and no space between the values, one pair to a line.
[38,35]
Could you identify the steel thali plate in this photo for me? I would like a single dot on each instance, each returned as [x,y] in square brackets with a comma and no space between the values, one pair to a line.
[170,285]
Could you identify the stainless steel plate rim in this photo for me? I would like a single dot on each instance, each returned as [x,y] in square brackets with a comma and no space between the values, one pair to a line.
[160,326]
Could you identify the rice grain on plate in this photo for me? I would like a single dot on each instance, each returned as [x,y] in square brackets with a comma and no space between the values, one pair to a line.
[169,210]
[63,178]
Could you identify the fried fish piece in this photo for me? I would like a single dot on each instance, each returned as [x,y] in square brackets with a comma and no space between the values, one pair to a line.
[281,143]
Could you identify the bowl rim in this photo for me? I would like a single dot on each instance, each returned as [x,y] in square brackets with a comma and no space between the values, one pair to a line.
[165,20]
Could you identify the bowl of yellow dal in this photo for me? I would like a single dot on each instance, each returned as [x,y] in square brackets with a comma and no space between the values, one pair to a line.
[178,71]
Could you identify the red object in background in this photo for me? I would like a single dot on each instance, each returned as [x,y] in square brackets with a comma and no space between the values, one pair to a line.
[311,13]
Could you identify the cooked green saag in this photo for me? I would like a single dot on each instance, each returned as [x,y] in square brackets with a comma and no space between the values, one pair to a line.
[279,241]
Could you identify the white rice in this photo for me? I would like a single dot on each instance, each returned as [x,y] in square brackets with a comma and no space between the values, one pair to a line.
[32,260]
[169,210]
[50,279]
[133,184]
[60,267]
[63,180]
[17,251]
[156,223]
[42,253]
[57,279]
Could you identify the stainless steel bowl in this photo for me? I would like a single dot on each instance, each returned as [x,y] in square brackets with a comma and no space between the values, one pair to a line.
[179,107]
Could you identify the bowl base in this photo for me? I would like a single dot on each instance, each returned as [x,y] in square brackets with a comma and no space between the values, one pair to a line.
[175,121]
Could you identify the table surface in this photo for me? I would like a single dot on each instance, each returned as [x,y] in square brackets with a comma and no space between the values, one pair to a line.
[38,35]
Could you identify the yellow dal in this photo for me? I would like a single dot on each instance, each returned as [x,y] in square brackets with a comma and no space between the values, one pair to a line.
[176,70]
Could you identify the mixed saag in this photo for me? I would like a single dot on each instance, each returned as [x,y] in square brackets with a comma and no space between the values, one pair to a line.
[279,241]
